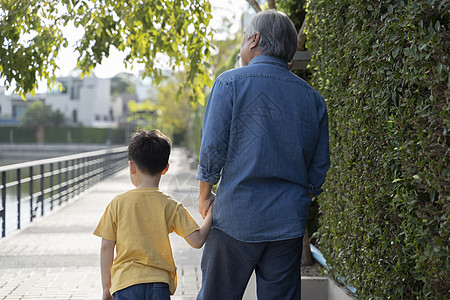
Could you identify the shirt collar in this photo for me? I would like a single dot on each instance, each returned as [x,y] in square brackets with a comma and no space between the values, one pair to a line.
[268,60]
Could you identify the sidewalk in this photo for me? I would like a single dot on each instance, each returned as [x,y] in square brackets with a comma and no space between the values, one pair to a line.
[57,256]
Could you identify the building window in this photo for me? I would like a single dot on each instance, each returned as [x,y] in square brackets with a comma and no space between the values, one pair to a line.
[18,111]
[75,116]
[75,90]
[55,89]
[97,118]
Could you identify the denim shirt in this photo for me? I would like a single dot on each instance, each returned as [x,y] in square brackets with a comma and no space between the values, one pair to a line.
[265,137]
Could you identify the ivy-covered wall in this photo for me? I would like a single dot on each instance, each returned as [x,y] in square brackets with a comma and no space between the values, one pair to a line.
[383,68]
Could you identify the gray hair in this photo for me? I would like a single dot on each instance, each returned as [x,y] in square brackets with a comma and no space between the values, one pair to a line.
[278,34]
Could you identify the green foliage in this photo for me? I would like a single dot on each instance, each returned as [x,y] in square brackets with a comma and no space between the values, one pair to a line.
[40,114]
[143,114]
[64,134]
[383,68]
[175,115]
[123,83]
[226,57]
[295,9]
[31,38]
[13,134]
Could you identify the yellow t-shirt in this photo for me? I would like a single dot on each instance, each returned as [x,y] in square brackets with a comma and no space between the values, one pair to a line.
[139,221]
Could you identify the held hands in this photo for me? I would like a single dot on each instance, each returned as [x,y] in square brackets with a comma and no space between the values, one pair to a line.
[206,204]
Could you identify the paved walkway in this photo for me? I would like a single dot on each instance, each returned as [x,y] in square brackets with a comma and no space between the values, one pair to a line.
[57,257]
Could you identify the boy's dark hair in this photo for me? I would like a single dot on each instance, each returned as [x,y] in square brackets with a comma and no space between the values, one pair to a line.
[149,150]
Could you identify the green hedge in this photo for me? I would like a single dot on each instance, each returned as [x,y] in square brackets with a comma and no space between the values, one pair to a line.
[383,68]
[64,134]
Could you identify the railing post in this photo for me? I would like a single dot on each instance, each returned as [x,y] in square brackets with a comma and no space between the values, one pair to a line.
[66,187]
[77,176]
[74,185]
[19,196]
[60,183]
[83,171]
[31,195]
[41,197]
[105,166]
[77,186]
[3,211]
[109,164]
[51,186]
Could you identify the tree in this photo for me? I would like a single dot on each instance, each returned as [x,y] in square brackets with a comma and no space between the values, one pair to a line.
[31,37]
[143,115]
[57,118]
[175,115]
[123,83]
[39,115]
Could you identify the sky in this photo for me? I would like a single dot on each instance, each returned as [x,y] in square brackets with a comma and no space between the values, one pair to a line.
[111,66]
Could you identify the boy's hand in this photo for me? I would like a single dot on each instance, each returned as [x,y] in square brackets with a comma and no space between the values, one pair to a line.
[210,209]
[106,295]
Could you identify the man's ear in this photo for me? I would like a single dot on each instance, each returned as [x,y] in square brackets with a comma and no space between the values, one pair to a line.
[132,167]
[255,41]
[165,170]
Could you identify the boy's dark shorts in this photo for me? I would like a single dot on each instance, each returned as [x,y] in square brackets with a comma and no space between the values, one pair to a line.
[147,291]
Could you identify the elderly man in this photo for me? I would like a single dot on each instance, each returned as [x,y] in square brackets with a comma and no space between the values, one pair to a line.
[265,136]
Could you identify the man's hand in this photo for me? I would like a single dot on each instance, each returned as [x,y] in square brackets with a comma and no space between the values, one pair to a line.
[205,204]
[206,198]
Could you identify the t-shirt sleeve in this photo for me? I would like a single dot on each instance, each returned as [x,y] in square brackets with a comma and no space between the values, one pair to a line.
[182,222]
[107,226]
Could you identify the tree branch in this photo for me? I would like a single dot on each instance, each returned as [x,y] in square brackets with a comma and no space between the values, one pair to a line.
[255,5]
[301,37]
[272,4]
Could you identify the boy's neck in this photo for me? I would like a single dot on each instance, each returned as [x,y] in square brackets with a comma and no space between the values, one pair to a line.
[147,181]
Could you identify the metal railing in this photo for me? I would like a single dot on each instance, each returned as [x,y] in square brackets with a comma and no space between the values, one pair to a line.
[44,185]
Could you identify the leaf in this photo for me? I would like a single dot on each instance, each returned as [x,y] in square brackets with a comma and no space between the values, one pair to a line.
[390,9]
[396,51]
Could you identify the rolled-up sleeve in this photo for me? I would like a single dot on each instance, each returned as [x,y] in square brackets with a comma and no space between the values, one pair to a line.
[215,133]
[321,159]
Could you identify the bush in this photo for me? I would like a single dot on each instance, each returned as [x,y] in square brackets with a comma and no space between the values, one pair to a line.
[64,134]
[383,68]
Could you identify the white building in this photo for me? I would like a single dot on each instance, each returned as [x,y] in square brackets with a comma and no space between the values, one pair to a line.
[84,102]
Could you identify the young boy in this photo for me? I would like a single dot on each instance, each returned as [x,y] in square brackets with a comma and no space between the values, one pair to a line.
[138,223]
